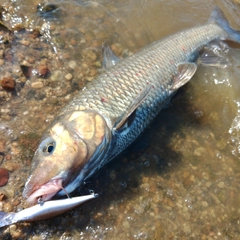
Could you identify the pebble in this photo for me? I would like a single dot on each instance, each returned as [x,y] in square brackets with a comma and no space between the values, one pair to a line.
[4,176]
[204,204]
[36,238]
[126,224]
[90,54]
[68,76]
[27,70]
[1,159]
[72,64]
[8,84]
[16,202]
[117,49]
[16,71]
[57,75]
[35,34]
[37,85]
[1,62]
[1,53]
[10,166]
[25,42]
[199,151]
[2,196]
[221,185]
[43,70]
[2,146]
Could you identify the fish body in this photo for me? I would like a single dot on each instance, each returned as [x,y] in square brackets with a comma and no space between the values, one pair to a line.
[115,108]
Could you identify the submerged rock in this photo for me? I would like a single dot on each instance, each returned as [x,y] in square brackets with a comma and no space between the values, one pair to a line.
[8,84]
[4,176]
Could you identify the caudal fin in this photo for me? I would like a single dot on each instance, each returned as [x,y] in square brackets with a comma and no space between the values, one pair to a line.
[218,17]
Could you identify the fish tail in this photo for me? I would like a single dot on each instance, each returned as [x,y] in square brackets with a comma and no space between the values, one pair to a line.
[219,18]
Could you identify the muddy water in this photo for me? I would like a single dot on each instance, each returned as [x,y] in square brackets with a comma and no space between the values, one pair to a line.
[181,179]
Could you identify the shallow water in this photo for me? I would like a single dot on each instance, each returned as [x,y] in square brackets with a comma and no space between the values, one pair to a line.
[182,178]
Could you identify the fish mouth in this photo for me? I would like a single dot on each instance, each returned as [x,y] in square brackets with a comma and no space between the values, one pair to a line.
[46,191]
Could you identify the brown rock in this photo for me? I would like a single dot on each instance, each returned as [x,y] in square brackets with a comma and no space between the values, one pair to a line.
[2,146]
[8,157]
[27,70]
[2,196]
[8,84]
[16,202]
[4,176]
[43,70]
[18,27]
[34,34]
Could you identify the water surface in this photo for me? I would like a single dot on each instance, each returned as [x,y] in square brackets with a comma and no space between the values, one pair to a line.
[181,179]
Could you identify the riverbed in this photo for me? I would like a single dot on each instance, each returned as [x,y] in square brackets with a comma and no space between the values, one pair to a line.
[181,178]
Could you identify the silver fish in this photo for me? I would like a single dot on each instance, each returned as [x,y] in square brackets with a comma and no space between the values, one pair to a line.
[115,108]
[43,211]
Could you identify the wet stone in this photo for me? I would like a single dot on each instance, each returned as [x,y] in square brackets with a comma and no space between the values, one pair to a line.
[221,185]
[25,42]
[1,62]
[37,85]
[27,70]
[56,75]
[199,152]
[72,64]
[43,70]
[35,34]
[8,83]
[2,146]
[90,54]
[4,176]
[8,207]
[16,202]
[117,49]
[1,158]
[2,196]
[1,53]
[68,76]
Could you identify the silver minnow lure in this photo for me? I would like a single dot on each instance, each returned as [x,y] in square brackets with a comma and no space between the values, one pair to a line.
[43,211]
[115,108]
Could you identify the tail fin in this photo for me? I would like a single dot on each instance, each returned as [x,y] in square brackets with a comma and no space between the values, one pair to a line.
[218,17]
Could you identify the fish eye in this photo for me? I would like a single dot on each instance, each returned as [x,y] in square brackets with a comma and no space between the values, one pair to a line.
[48,148]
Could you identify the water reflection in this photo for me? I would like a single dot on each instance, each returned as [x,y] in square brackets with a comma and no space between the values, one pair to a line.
[185,182]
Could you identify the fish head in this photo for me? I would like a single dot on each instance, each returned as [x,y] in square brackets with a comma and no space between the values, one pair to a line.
[66,154]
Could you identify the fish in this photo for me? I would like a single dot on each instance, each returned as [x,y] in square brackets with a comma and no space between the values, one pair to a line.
[111,111]
[43,210]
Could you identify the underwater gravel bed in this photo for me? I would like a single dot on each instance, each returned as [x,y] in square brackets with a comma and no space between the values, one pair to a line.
[182,184]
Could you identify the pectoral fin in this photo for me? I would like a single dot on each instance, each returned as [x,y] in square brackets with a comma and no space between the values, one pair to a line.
[185,73]
[130,113]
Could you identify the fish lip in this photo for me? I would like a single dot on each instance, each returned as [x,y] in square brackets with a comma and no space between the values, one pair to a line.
[46,191]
